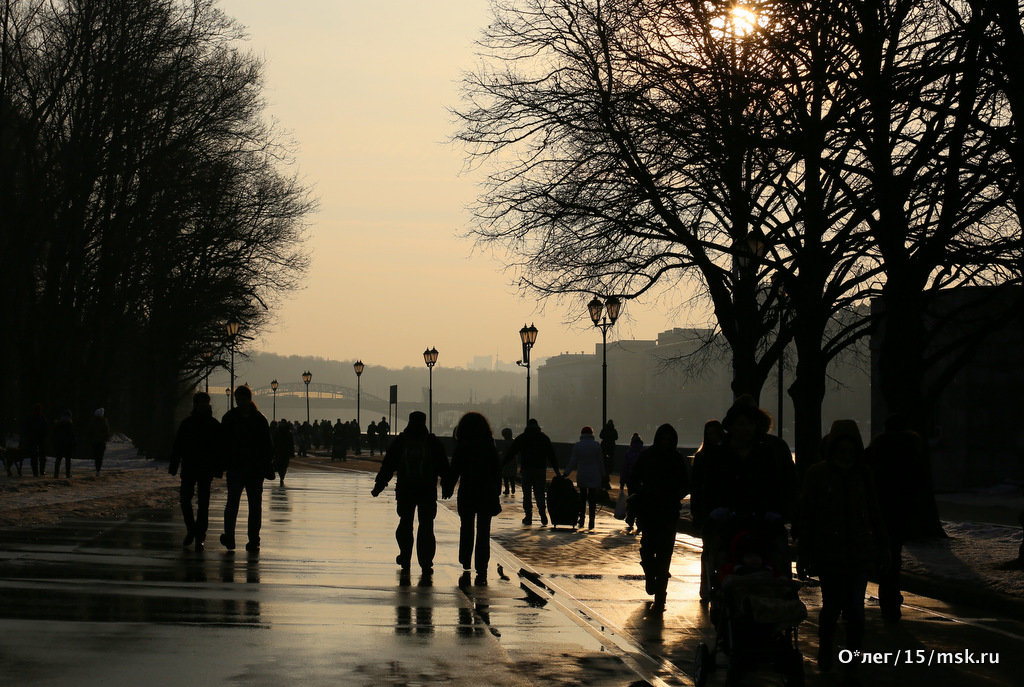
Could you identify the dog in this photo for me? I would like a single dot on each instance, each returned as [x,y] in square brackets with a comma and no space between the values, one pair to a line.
[12,457]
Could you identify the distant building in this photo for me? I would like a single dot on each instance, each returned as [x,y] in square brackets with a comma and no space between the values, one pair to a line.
[481,362]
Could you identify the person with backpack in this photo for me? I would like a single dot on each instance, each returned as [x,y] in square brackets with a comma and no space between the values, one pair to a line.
[535,454]
[419,459]
[475,467]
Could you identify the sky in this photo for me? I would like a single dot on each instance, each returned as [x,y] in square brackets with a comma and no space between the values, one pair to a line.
[365,89]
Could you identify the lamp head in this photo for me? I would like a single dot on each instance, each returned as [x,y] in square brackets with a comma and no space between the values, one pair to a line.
[307,377]
[595,306]
[358,367]
[273,385]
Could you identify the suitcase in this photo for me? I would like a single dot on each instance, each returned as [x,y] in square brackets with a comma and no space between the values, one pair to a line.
[563,502]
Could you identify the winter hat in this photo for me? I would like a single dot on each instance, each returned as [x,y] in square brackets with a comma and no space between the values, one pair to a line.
[636,440]
[587,430]
[99,412]
[532,422]
[843,429]
[417,418]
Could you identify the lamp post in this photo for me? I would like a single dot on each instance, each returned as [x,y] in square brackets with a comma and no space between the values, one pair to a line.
[207,354]
[273,387]
[358,367]
[611,307]
[232,329]
[307,377]
[430,358]
[529,337]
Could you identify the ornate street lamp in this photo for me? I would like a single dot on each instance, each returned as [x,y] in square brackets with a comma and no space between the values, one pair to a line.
[307,377]
[529,337]
[273,387]
[207,354]
[430,358]
[611,307]
[358,367]
[232,329]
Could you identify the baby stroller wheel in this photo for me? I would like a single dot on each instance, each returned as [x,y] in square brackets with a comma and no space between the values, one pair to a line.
[703,665]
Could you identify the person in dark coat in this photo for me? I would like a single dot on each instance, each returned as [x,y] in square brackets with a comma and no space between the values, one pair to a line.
[63,443]
[198,447]
[97,435]
[36,429]
[897,460]
[636,446]
[249,460]
[842,536]
[714,436]
[535,452]
[420,460]
[383,428]
[339,441]
[284,448]
[371,436]
[661,480]
[476,468]
[305,437]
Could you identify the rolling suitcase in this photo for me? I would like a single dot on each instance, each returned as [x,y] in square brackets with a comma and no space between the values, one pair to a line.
[563,502]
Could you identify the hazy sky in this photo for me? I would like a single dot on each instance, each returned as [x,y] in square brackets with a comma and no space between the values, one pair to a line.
[363,88]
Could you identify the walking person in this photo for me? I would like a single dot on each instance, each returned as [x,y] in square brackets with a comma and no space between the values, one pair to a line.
[63,444]
[383,430]
[249,457]
[419,459]
[339,441]
[476,468]
[842,536]
[636,445]
[197,450]
[587,460]
[535,452]
[371,436]
[661,481]
[97,435]
[284,448]
[714,436]
[609,435]
[509,469]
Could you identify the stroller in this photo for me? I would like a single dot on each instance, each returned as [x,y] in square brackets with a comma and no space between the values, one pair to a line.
[755,610]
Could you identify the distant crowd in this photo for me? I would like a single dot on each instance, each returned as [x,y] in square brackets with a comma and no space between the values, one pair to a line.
[38,437]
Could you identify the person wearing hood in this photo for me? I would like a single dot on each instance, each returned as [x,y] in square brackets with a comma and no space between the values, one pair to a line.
[420,460]
[661,481]
[197,449]
[587,460]
[842,535]
[98,434]
[535,452]
[476,468]
[636,446]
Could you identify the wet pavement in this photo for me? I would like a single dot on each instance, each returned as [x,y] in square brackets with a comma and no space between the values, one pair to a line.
[111,603]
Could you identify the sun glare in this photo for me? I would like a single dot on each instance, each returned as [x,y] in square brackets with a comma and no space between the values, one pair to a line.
[738,21]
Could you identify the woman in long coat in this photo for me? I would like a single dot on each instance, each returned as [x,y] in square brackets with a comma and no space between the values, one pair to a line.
[476,468]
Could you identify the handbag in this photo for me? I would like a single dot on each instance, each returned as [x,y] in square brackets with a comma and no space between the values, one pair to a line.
[620,505]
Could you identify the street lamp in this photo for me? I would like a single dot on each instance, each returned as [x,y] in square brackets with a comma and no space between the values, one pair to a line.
[611,307]
[307,377]
[273,387]
[529,337]
[430,358]
[358,367]
[207,354]
[232,329]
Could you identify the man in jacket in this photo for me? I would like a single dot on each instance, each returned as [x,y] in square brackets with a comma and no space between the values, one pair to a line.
[249,453]
[197,451]
[419,459]
[535,454]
